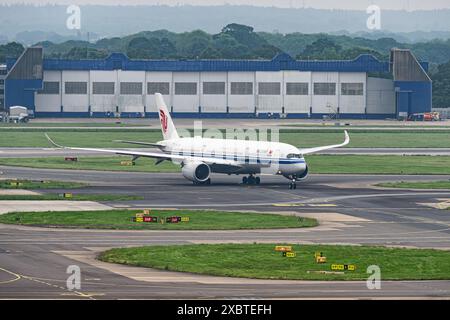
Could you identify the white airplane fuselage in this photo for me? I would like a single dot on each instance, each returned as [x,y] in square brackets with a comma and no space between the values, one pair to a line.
[282,158]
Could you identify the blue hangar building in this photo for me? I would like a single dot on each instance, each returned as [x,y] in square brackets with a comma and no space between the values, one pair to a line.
[364,88]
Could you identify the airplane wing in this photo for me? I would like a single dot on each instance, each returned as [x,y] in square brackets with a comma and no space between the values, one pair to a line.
[155,155]
[317,149]
[149,144]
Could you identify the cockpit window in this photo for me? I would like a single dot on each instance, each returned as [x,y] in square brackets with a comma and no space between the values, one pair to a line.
[294,156]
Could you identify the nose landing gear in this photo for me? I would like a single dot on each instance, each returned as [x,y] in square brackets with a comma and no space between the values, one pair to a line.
[251,179]
[292,185]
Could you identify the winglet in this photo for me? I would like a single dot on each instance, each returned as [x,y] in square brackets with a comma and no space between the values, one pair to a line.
[347,138]
[53,142]
[317,149]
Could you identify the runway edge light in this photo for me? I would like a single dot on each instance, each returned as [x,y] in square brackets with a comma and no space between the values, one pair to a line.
[342,267]
[289,254]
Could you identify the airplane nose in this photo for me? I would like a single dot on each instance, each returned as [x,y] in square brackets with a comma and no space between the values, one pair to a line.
[302,167]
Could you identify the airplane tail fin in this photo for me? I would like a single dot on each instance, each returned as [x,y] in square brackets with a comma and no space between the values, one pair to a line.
[167,127]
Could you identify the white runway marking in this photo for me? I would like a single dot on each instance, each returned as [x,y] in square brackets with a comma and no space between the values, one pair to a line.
[42,206]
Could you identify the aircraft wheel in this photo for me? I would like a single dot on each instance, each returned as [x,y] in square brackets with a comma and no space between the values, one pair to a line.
[244,180]
[251,180]
[258,180]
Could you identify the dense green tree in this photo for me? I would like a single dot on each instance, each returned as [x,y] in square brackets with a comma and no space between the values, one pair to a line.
[229,48]
[237,41]
[353,53]
[10,50]
[167,49]
[143,48]
[441,86]
[210,53]
[258,47]
[190,45]
[321,49]
[84,53]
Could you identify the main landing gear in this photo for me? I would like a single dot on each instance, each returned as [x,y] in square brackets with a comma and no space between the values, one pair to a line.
[251,179]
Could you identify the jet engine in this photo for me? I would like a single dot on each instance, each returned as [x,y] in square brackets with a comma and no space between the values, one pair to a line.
[197,172]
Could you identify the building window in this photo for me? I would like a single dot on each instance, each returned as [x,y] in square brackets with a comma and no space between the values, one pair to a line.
[269,88]
[3,71]
[131,88]
[325,89]
[2,91]
[352,89]
[2,103]
[213,87]
[185,88]
[50,87]
[158,87]
[106,88]
[76,87]
[297,88]
[241,88]
[2,82]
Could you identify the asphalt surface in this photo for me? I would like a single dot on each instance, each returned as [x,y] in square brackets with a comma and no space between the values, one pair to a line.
[33,261]
[51,152]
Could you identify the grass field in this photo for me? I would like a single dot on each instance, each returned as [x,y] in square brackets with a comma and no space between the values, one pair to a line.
[92,163]
[363,164]
[417,185]
[413,138]
[262,262]
[111,123]
[75,197]
[319,164]
[32,185]
[122,219]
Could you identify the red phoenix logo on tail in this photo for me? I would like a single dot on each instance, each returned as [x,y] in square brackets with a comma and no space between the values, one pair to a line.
[163,120]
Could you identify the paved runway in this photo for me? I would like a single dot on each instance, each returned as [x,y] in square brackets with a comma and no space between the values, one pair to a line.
[50,152]
[33,261]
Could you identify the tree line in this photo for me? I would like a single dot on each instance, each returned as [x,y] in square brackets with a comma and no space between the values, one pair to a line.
[236,41]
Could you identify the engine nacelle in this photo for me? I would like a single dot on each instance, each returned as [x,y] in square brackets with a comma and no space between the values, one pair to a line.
[196,171]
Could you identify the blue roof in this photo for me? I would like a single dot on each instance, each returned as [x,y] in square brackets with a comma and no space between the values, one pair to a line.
[364,63]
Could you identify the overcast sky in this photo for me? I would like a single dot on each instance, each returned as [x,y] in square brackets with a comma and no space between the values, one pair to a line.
[322,4]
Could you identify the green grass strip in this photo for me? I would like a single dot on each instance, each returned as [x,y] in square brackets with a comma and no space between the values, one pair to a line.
[122,219]
[262,262]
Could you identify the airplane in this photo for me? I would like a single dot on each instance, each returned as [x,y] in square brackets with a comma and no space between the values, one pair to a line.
[199,157]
